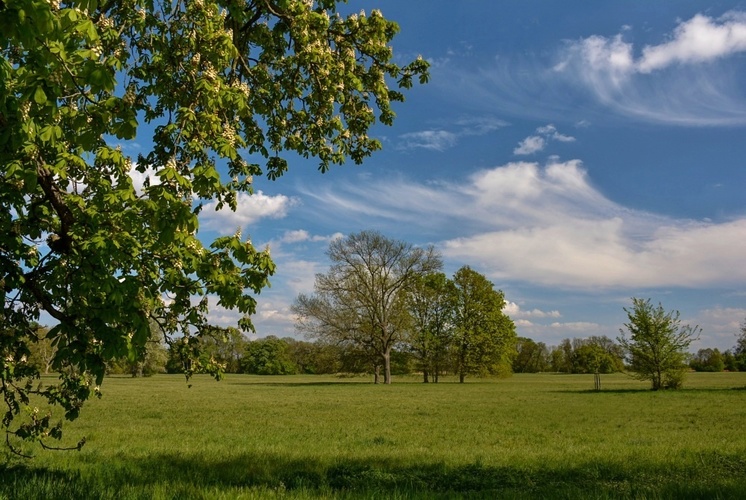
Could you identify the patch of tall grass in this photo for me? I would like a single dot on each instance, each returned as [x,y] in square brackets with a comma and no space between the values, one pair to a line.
[528,436]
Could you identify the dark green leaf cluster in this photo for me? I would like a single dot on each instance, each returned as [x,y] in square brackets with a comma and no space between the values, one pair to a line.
[220,83]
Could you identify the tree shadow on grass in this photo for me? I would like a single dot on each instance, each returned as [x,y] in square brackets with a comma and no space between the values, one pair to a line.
[715,475]
[648,390]
[602,391]
[303,384]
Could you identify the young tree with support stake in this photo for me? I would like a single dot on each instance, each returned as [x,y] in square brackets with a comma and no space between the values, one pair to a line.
[227,88]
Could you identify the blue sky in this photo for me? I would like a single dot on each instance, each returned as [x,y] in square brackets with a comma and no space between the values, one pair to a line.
[576,153]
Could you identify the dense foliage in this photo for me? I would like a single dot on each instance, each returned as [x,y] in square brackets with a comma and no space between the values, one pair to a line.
[657,344]
[484,338]
[215,92]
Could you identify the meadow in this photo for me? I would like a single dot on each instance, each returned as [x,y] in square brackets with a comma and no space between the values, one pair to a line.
[527,436]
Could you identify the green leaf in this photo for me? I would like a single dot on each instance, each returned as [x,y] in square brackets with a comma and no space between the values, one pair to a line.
[39,96]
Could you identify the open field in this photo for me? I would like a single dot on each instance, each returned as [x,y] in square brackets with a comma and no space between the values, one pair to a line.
[529,436]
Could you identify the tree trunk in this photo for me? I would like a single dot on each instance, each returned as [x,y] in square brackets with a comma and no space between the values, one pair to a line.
[376,373]
[425,378]
[462,364]
[387,367]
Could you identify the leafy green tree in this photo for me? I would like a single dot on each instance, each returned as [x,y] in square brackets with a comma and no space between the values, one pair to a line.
[596,355]
[707,360]
[225,345]
[268,356]
[559,359]
[230,90]
[485,337]
[729,361]
[739,351]
[657,344]
[314,357]
[154,361]
[41,350]
[431,305]
[362,299]
[531,357]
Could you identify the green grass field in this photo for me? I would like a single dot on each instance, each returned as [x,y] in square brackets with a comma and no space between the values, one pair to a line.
[528,436]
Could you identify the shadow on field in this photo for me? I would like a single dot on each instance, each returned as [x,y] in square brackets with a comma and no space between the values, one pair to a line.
[602,391]
[304,384]
[711,475]
[648,390]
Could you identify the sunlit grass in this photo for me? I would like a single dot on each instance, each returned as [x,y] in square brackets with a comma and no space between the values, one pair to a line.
[309,437]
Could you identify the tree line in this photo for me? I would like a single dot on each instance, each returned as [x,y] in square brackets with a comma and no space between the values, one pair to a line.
[428,355]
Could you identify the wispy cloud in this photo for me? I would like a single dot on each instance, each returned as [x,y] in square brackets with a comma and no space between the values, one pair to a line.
[435,140]
[677,81]
[688,78]
[440,139]
[549,226]
[301,235]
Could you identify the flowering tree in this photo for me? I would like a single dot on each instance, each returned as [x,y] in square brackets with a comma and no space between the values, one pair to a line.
[226,87]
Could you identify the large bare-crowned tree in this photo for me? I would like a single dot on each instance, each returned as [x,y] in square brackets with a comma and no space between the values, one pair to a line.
[361,299]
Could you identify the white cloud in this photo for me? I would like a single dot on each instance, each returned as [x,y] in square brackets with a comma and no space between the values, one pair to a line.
[577,327]
[514,311]
[298,275]
[701,39]
[720,326]
[221,316]
[250,208]
[530,145]
[551,132]
[689,78]
[549,226]
[436,140]
[552,334]
[672,82]
[139,178]
[295,236]
[301,235]
[535,143]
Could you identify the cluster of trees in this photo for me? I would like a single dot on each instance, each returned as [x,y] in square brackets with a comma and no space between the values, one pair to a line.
[712,360]
[596,354]
[380,294]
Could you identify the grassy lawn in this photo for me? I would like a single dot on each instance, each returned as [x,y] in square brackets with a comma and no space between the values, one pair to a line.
[529,436]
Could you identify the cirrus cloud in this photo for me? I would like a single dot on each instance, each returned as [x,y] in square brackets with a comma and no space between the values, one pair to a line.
[672,82]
